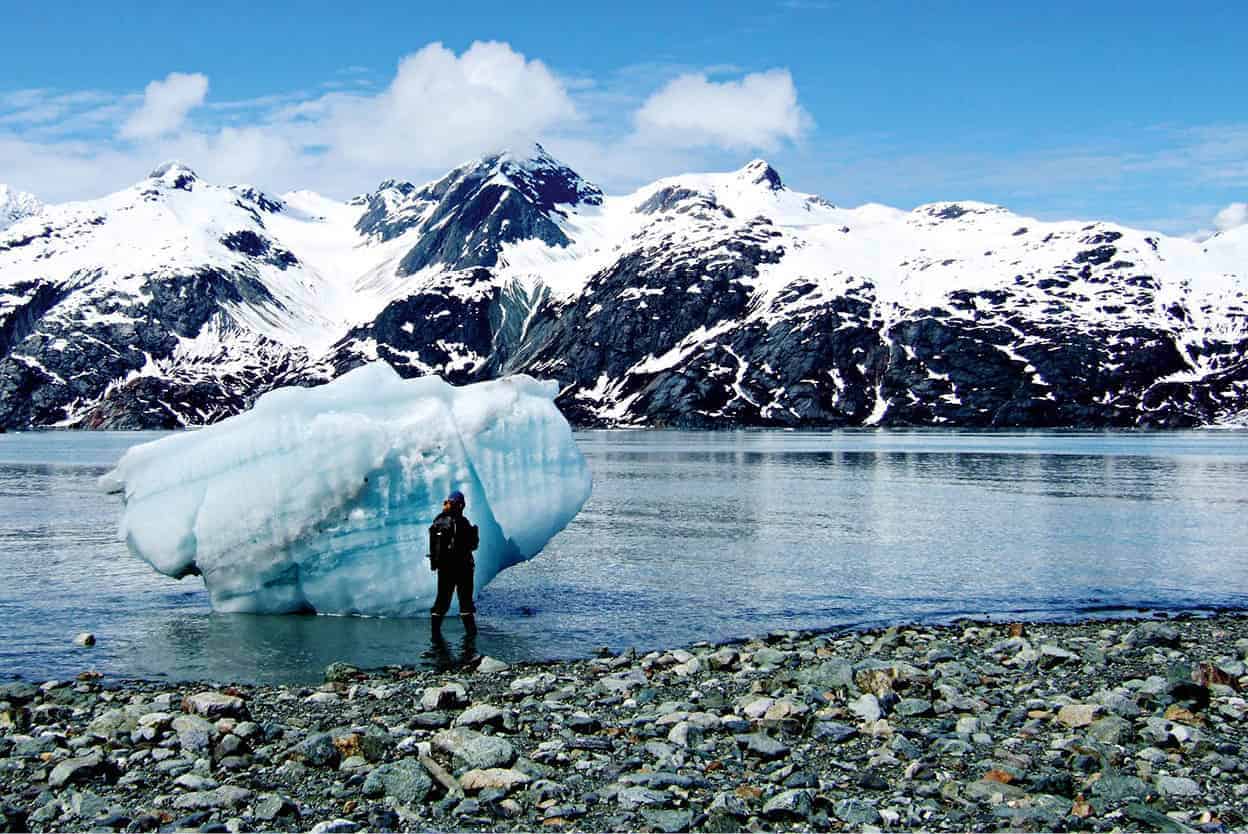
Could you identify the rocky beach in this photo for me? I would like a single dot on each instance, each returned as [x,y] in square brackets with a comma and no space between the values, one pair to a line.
[1093,726]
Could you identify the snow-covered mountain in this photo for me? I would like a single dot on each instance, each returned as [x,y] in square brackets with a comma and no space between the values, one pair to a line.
[698,300]
[16,205]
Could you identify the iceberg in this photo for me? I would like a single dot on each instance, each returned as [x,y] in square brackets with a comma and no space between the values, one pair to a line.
[320,499]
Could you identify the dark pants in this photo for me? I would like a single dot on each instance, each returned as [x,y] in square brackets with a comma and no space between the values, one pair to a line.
[450,580]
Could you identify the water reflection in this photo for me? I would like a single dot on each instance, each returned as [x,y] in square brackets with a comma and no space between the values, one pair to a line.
[687,536]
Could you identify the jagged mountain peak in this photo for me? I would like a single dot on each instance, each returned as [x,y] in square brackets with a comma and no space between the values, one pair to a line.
[541,178]
[467,216]
[710,299]
[16,205]
[174,174]
[953,210]
[760,172]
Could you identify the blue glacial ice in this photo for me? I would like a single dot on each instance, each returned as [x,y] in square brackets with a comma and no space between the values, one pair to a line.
[320,498]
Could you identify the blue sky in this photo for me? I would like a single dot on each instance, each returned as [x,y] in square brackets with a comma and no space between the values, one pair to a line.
[1130,111]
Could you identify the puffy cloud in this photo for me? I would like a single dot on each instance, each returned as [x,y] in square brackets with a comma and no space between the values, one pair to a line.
[438,109]
[441,108]
[758,111]
[165,105]
[1234,215]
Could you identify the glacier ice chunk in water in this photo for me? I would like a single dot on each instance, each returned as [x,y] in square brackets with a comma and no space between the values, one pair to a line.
[321,498]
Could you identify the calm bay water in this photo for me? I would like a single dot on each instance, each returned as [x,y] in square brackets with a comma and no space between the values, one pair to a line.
[688,536]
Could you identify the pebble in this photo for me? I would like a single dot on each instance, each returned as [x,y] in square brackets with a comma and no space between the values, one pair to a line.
[475,750]
[1089,727]
[213,705]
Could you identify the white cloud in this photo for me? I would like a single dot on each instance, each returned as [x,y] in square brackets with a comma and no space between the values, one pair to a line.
[1233,216]
[759,111]
[441,109]
[165,105]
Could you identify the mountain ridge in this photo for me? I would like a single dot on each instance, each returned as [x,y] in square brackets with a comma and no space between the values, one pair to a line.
[702,300]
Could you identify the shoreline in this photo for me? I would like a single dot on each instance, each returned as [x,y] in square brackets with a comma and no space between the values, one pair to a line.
[1084,617]
[1094,724]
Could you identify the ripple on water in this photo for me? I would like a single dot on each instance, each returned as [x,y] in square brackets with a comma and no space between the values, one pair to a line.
[688,536]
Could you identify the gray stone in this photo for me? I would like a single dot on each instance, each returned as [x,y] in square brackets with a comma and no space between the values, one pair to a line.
[213,705]
[538,684]
[405,780]
[835,673]
[87,805]
[33,748]
[833,731]
[195,782]
[913,707]
[111,722]
[467,808]
[955,747]
[18,692]
[474,750]
[1117,787]
[1152,634]
[491,666]
[1110,730]
[730,805]
[341,672]
[481,715]
[336,826]
[1051,655]
[665,819]
[796,803]
[226,796]
[195,734]
[994,792]
[619,682]
[767,656]
[1119,702]
[75,770]
[1178,786]
[317,749]
[904,746]
[856,812]
[636,796]
[47,812]
[763,746]
[450,696]
[866,707]
[273,806]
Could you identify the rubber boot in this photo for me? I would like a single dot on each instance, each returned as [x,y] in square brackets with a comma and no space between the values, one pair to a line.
[470,623]
[435,621]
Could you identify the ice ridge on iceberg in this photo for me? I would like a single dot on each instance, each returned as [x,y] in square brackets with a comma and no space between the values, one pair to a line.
[320,499]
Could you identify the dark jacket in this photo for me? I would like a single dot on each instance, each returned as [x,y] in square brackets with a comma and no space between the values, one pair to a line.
[467,539]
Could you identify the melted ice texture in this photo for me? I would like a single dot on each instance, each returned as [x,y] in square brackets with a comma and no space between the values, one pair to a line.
[320,499]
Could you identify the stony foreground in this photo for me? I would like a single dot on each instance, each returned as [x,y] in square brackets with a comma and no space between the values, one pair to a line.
[1089,727]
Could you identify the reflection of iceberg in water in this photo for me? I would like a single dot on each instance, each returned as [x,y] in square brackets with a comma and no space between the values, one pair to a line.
[320,499]
[285,649]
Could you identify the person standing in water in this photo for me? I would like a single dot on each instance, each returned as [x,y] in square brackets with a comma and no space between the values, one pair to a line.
[452,539]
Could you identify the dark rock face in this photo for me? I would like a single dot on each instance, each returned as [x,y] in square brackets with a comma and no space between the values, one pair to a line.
[695,319]
[470,213]
[249,243]
[447,327]
[643,306]
[60,364]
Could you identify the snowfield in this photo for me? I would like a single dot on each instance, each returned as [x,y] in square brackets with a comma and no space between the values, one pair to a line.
[701,299]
